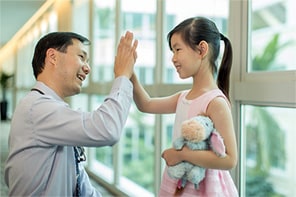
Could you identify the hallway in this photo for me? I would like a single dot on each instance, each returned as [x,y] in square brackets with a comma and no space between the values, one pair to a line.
[4,131]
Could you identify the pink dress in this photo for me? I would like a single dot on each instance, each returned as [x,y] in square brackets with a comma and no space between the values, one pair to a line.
[216,182]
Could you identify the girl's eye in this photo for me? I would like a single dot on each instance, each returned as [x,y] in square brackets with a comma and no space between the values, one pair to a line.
[176,50]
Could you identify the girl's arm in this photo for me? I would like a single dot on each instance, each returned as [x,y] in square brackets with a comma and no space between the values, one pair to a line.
[145,103]
[218,110]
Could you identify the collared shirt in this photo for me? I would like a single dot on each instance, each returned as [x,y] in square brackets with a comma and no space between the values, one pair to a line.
[44,130]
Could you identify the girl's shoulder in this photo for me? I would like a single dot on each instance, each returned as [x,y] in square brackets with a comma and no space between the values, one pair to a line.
[209,95]
[206,96]
[200,104]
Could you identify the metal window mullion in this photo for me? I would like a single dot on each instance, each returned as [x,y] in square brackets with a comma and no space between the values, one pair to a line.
[238,34]
[158,73]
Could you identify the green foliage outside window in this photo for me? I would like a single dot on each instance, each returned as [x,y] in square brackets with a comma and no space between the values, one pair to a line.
[138,161]
[264,61]
[105,16]
[266,147]
[265,139]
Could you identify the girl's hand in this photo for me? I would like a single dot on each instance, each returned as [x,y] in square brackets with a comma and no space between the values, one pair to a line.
[172,156]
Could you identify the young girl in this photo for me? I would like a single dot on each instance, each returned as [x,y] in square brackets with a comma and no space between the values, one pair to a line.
[195,44]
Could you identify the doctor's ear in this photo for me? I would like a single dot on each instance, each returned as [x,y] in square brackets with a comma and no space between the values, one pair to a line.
[51,55]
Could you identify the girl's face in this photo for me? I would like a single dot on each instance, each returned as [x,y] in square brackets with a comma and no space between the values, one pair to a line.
[185,59]
[73,68]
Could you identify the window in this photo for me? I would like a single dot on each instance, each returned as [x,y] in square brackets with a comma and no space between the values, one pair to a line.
[137,158]
[273,36]
[138,143]
[269,161]
[264,96]
[103,156]
[141,19]
[104,41]
[135,163]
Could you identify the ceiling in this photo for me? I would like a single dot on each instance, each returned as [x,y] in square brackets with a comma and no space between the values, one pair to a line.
[14,14]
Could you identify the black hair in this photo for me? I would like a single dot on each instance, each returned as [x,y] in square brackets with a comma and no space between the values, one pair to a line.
[197,29]
[57,40]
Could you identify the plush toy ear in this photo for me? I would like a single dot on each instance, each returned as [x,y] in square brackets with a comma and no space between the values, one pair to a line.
[217,144]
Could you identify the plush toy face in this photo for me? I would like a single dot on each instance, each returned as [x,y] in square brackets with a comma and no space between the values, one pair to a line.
[197,128]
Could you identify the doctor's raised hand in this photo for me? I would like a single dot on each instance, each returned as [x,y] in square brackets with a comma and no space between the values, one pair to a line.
[126,55]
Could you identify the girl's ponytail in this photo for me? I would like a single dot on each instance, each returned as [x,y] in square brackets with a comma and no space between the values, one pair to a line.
[225,67]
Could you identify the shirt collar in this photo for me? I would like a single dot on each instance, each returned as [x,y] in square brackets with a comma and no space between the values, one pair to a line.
[47,90]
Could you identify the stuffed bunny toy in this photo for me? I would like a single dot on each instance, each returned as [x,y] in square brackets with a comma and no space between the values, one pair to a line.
[198,133]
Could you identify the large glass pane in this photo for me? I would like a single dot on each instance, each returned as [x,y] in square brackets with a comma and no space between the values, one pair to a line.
[269,152]
[177,11]
[168,121]
[137,148]
[273,33]
[80,19]
[139,17]
[104,41]
[137,143]
[79,102]
[103,155]
[24,74]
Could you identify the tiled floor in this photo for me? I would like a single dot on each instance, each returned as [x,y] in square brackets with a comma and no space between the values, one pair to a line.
[4,130]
